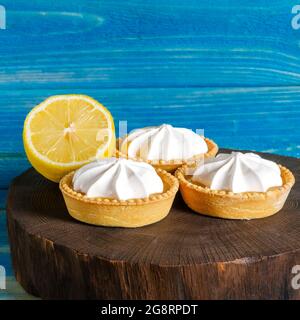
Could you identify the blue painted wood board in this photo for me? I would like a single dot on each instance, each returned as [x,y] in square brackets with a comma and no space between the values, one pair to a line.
[233,117]
[130,44]
[229,67]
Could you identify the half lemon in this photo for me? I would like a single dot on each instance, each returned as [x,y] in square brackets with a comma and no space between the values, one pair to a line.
[65,132]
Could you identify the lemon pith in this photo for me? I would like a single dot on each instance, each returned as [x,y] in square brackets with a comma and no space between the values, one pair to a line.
[65,132]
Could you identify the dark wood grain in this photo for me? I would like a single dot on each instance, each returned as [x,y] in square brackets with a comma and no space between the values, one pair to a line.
[185,256]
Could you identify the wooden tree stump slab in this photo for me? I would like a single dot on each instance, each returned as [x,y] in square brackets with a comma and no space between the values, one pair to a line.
[185,256]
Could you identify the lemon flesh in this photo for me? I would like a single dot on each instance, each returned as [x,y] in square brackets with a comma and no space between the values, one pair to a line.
[65,132]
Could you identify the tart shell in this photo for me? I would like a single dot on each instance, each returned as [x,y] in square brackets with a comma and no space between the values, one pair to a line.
[120,213]
[172,165]
[229,205]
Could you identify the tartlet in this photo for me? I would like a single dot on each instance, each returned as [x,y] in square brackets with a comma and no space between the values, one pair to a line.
[162,141]
[111,212]
[230,205]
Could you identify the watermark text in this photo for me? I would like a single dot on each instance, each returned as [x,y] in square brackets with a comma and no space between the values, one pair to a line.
[2,278]
[295,283]
[2,17]
[295,22]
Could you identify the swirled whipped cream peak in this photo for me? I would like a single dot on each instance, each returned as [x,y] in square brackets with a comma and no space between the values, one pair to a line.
[238,172]
[117,178]
[164,142]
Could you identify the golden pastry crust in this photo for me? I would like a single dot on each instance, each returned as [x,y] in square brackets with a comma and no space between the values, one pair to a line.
[120,213]
[229,205]
[172,165]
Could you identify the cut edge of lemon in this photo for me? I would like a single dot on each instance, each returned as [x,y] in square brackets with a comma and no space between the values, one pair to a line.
[37,159]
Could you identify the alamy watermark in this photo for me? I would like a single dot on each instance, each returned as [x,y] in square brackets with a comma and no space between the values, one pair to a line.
[2,17]
[2,278]
[295,282]
[295,22]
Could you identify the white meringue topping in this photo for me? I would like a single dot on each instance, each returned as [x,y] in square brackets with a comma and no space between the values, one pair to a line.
[238,172]
[117,178]
[163,143]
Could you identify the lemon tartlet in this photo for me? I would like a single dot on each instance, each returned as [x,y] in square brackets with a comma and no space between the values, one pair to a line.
[235,186]
[166,147]
[118,192]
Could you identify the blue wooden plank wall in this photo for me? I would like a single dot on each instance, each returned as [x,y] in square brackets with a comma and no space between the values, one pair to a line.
[231,67]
